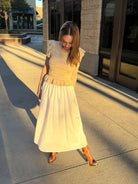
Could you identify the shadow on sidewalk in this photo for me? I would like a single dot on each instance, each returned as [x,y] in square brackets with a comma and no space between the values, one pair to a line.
[23,58]
[109,96]
[115,147]
[19,94]
[113,86]
[4,167]
[24,51]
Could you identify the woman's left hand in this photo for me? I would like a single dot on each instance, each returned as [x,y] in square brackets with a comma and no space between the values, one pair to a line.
[39,93]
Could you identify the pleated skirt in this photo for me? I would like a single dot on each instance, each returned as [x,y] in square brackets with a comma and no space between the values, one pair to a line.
[59,127]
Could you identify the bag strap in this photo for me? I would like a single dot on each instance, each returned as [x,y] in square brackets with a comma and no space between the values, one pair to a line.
[47,64]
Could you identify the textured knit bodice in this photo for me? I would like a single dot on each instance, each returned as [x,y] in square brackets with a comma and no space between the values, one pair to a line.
[60,72]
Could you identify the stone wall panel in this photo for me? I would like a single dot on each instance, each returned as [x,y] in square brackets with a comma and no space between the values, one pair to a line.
[90,25]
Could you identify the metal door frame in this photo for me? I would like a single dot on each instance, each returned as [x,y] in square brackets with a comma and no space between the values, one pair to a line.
[117,43]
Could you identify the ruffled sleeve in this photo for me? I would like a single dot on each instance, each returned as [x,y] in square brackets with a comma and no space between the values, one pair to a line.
[82,53]
[50,48]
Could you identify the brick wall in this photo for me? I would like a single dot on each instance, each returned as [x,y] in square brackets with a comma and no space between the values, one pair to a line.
[90,25]
[90,35]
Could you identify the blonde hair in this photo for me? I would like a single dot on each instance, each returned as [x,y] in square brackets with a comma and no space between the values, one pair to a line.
[69,28]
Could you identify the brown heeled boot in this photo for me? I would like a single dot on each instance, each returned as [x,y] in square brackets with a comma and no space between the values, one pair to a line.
[52,157]
[88,156]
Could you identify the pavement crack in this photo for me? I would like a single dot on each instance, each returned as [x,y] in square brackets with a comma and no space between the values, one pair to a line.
[73,167]
[56,172]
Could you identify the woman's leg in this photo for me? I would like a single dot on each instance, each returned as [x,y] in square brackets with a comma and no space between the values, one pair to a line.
[52,157]
[88,156]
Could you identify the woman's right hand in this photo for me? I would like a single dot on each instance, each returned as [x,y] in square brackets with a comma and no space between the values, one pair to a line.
[39,93]
[44,70]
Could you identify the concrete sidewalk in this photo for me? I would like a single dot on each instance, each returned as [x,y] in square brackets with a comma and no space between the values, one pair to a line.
[110,120]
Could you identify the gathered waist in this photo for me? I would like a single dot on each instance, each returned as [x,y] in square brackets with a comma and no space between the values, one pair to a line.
[64,81]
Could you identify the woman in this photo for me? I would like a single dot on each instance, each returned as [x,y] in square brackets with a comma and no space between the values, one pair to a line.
[59,127]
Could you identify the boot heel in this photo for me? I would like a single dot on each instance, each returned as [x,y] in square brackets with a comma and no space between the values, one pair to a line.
[52,157]
[88,156]
[85,158]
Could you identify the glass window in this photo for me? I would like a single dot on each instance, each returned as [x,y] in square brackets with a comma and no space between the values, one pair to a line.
[55,18]
[107,25]
[61,11]
[2,20]
[68,10]
[106,63]
[15,19]
[72,10]
[129,59]
[77,12]
[106,36]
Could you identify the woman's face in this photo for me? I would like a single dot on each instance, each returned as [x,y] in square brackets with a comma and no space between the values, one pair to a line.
[66,42]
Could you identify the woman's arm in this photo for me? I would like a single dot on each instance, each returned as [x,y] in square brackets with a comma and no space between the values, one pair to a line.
[43,73]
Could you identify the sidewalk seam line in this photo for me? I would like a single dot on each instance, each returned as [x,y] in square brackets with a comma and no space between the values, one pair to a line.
[73,167]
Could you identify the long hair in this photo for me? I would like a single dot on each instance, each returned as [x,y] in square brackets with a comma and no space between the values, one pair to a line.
[69,28]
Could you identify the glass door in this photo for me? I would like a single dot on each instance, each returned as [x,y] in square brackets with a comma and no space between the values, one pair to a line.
[61,11]
[119,42]
[56,14]
[127,69]
[106,37]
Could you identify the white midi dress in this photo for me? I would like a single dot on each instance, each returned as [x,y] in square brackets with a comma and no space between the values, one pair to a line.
[59,127]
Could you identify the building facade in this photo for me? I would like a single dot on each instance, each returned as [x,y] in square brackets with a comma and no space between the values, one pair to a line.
[39,13]
[23,20]
[108,33]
